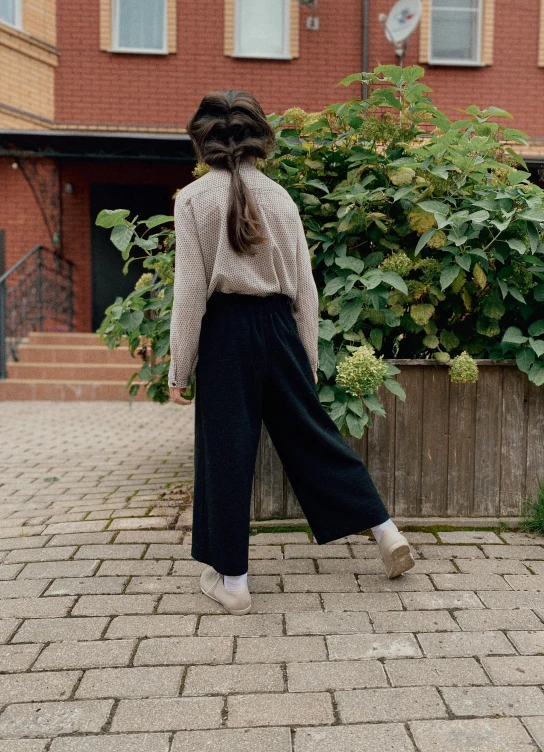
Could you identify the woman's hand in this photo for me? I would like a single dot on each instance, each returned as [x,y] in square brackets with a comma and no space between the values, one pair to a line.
[315,376]
[177,397]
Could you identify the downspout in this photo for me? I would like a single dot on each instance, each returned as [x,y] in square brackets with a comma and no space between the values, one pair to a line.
[364,39]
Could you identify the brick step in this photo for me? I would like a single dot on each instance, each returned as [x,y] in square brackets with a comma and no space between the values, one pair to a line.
[76,354]
[72,371]
[64,338]
[55,390]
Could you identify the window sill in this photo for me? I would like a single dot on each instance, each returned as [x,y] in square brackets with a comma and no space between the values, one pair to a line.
[17,27]
[128,51]
[256,56]
[457,64]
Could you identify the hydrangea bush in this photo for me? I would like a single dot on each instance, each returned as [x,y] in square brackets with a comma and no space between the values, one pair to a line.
[426,238]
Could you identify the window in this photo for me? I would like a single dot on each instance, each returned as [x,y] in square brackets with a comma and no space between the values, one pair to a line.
[139,26]
[10,12]
[455,31]
[261,28]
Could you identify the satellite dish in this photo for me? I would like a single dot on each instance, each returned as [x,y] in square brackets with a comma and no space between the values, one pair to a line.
[402,21]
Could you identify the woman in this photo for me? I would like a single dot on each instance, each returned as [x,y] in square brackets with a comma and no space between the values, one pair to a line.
[245,319]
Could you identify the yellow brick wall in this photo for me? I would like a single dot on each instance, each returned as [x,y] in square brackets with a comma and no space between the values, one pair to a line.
[294,28]
[488,31]
[28,59]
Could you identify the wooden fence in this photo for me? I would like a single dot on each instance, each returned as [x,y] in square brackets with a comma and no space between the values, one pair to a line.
[472,450]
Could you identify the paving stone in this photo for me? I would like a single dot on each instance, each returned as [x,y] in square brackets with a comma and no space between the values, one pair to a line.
[435,566]
[333,675]
[168,551]
[166,584]
[58,629]
[476,735]
[226,740]
[273,566]
[328,551]
[497,619]
[175,650]
[265,552]
[525,581]
[168,713]
[193,603]
[515,552]
[412,621]
[112,743]
[492,566]
[470,582]
[280,649]
[464,644]
[151,626]
[251,625]
[26,687]
[10,571]
[149,536]
[535,566]
[420,537]
[259,539]
[26,608]
[356,647]
[513,599]
[435,671]
[80,539]
[183,567]
[54,718]
[134,567]
[60,553]
[371,705]
[97,605]
[59,528]
[451,552]
[522,539]
[7,628]
[278,603]
[11,544]
[86,654]
[139,523]
[380,583]
[120,551]
[371,551]
[441,600]
[361,602]
[528,643]
[18,657]
[383,737]
[328,622]
[208,680]
[87,586]
[469,536]
[352,566]
[506,701]
[535,726]
[130,682]
[23,745]
[23,532]
[515,670]
[286,709]
[22,588]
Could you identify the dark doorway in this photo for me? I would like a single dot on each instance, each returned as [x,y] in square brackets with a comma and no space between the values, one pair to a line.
[108,280]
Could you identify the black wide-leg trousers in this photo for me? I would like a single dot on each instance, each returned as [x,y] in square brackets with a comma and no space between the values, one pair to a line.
[252,367]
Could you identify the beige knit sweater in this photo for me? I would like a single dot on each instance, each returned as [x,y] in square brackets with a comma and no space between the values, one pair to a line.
[205,261]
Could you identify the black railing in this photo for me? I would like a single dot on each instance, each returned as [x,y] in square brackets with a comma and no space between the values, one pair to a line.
[35,294]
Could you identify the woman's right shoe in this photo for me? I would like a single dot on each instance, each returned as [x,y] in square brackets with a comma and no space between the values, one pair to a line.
[396,554]
[237,602]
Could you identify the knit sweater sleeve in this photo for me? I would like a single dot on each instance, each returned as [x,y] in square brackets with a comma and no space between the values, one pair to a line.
[306,311]
[190,293]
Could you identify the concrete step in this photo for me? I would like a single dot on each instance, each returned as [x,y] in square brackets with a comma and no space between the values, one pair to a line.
[49,389]
[72,371]
[76,354]
[64,338]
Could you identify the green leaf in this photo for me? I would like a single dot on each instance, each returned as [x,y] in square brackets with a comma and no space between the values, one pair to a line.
[533,215]
[376,338]
[538,292]
[447,275]
[326,394]
[310,200]
[158,219]
[517,245]
[350,262]
[131,320]
[395,388]
[326,329]
[515,177]
[431,341]
[435,207]
[318,184]
[395,280]
[525,359]
[111,217]
[448,340]
[463,261]
[332,287]
[536,374]
[121,235]
[327,358]
[412,73]
[538,346]
[493,307]
[349,314]
[537,328]
[514,336]
[356,406]
[373,403]
[338,410]
[424,239]
[515,293]
[356,424]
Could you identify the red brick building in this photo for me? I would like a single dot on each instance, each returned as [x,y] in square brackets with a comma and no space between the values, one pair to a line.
[94,97]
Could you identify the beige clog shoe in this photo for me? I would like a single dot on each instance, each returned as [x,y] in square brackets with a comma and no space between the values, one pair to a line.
[237,602]
[396,554]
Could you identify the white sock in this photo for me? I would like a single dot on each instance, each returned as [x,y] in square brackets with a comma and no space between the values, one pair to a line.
[235,583]
[378,529]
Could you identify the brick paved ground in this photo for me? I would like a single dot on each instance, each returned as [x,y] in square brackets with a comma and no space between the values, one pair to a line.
[106,644]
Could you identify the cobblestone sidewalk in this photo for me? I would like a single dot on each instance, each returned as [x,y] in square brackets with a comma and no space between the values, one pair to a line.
[108,646]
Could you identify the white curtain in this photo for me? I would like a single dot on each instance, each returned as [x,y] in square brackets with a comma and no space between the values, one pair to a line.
[7,11]
[261,27]
[141,24]
[454,30]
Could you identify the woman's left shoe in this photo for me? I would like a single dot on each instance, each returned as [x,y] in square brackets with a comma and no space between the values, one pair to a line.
[237,602]
[396,554]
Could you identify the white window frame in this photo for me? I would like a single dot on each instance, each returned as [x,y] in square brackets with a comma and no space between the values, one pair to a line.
[468,63]
[286,36]
[18,16]
[116,9]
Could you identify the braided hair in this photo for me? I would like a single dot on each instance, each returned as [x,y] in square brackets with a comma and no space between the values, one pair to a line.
[227,127]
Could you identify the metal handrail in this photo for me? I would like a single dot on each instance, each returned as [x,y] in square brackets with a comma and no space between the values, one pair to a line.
[36,292]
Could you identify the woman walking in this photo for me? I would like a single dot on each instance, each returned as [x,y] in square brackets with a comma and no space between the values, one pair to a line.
[244,319]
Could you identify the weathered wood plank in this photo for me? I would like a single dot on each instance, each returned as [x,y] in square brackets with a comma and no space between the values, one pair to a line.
[487,442]
[380,460]
[291,506]
[535,438]
[434,449]
[462,407]
[408,444]
[513,440]
[269,497]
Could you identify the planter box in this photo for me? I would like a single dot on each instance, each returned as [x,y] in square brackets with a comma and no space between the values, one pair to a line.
[470,450]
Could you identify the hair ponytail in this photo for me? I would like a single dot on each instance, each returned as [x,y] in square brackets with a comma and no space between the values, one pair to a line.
[227,127]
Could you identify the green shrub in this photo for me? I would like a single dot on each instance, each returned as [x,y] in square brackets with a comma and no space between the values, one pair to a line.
[426,239]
